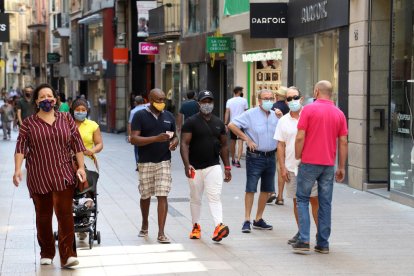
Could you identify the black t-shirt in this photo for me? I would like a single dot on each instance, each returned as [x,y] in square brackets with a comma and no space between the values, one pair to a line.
[145,122]
[189,108]
[282,106]
[205,140]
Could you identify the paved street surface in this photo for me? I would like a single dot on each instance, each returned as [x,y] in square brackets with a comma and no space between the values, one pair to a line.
[370,235]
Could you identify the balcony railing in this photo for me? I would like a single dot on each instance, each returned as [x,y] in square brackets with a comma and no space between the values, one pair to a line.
[164,22]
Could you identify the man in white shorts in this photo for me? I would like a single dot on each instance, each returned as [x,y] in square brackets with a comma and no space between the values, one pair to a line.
[285,133]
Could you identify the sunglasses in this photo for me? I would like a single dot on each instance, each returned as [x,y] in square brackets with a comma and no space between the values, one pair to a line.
[296,97]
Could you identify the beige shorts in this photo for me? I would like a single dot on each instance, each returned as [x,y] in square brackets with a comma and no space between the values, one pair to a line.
[154,179]
[291,187]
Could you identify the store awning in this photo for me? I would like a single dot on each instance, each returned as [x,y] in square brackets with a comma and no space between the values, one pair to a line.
[61,32]
[90,19]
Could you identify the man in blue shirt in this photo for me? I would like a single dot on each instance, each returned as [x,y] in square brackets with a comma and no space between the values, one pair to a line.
[259,125]
[188,109]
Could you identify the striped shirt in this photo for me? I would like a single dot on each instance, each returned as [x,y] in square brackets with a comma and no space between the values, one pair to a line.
[48,150]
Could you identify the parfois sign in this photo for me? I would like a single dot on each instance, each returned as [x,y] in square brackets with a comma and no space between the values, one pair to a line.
[4,27]
[268,20]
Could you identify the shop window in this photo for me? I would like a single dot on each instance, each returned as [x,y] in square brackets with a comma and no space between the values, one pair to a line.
[95,42]
[402,98]
[195,24]
[267,75]
[194,77]
[316,58]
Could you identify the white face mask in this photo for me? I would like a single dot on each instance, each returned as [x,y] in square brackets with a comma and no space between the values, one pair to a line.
[206,108]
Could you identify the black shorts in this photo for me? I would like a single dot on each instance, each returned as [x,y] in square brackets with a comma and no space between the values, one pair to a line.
[233,136]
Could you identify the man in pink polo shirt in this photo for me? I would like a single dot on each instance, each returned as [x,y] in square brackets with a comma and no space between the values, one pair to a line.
[320,125]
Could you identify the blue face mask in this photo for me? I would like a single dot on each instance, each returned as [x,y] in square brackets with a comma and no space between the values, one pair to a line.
[80,116]
[294,105]
[46,105]
[267,105]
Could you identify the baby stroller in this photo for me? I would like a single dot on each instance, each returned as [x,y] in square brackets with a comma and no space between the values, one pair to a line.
[85,210]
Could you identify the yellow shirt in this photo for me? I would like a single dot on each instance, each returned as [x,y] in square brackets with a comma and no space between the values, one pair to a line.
[86,130]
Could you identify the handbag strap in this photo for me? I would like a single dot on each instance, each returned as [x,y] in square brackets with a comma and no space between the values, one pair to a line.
[209,128]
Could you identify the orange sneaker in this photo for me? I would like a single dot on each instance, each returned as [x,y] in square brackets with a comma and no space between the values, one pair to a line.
[196,232]
[220,232]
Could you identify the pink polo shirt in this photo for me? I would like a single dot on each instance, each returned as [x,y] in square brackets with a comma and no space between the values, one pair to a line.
[323,123]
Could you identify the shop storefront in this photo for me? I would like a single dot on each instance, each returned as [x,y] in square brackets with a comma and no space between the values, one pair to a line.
[402,100]
[98,84]
[319,46]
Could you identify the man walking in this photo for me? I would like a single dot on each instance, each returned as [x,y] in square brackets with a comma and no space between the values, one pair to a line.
[259,125]
[139,105]
[153,131]
[187,109]
[320,125]
[203,141]
[285,134]
[24,105]
[234,107]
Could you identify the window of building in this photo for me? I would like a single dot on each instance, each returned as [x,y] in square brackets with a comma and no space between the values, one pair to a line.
[95,42]
[316,58]
[195,24]
[214,15]
[194,77]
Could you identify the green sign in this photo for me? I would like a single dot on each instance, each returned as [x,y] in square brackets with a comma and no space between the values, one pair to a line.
[232,7]
[219,44]
[53,57]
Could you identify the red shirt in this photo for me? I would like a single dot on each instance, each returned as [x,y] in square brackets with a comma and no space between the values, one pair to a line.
[323,123]
[48,150]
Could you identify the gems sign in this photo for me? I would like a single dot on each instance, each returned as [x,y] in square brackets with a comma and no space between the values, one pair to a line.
[146,48]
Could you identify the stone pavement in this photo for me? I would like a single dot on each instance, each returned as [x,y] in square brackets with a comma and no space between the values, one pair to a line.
[370,235]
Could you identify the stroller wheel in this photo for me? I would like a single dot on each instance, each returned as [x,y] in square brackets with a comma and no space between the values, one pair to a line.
[98,237]
[90,240]
[55,235]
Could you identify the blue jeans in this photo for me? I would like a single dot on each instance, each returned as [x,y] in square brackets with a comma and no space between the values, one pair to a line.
[263,168]
[136,154]
[307,175]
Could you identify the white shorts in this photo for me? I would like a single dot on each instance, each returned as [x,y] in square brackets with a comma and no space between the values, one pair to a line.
[291,187]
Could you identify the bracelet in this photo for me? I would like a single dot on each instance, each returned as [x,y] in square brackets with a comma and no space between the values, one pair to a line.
[227,168]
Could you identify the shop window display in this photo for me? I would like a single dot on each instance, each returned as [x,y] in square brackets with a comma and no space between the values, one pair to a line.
[267,76]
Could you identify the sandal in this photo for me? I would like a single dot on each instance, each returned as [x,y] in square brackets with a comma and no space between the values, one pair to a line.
[163,239]
[143,233]
[279,202]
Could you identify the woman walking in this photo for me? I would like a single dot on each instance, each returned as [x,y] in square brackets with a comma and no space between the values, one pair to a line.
[47,140]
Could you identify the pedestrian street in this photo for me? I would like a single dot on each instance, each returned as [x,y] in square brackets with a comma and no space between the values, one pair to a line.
[370,235]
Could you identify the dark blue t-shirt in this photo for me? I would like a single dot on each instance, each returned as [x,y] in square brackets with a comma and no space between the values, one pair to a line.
[189,108]
[282,106]
[146,122]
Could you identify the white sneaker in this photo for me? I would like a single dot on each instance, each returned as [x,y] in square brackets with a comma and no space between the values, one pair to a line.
[45,261]
[72,261]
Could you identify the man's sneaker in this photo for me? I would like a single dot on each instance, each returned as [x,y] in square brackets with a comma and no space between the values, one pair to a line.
[261,224]
[220,232]
[271,198]
[237,164]
[196,232]
[247,227]
[294,239]
[320,249]
[300,247]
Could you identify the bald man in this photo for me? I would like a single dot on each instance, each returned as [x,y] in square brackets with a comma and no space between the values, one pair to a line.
[153,131]
[320,126]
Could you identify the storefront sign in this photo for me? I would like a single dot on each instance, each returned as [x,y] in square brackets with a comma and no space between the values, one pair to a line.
[4,28]
[53,57]
[146,48]
[268,20]
[314,12]
[219,44]
[271,55]
[120,55]
[313,16]
[143,15]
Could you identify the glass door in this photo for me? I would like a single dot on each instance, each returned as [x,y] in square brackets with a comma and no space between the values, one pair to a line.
[402,99]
